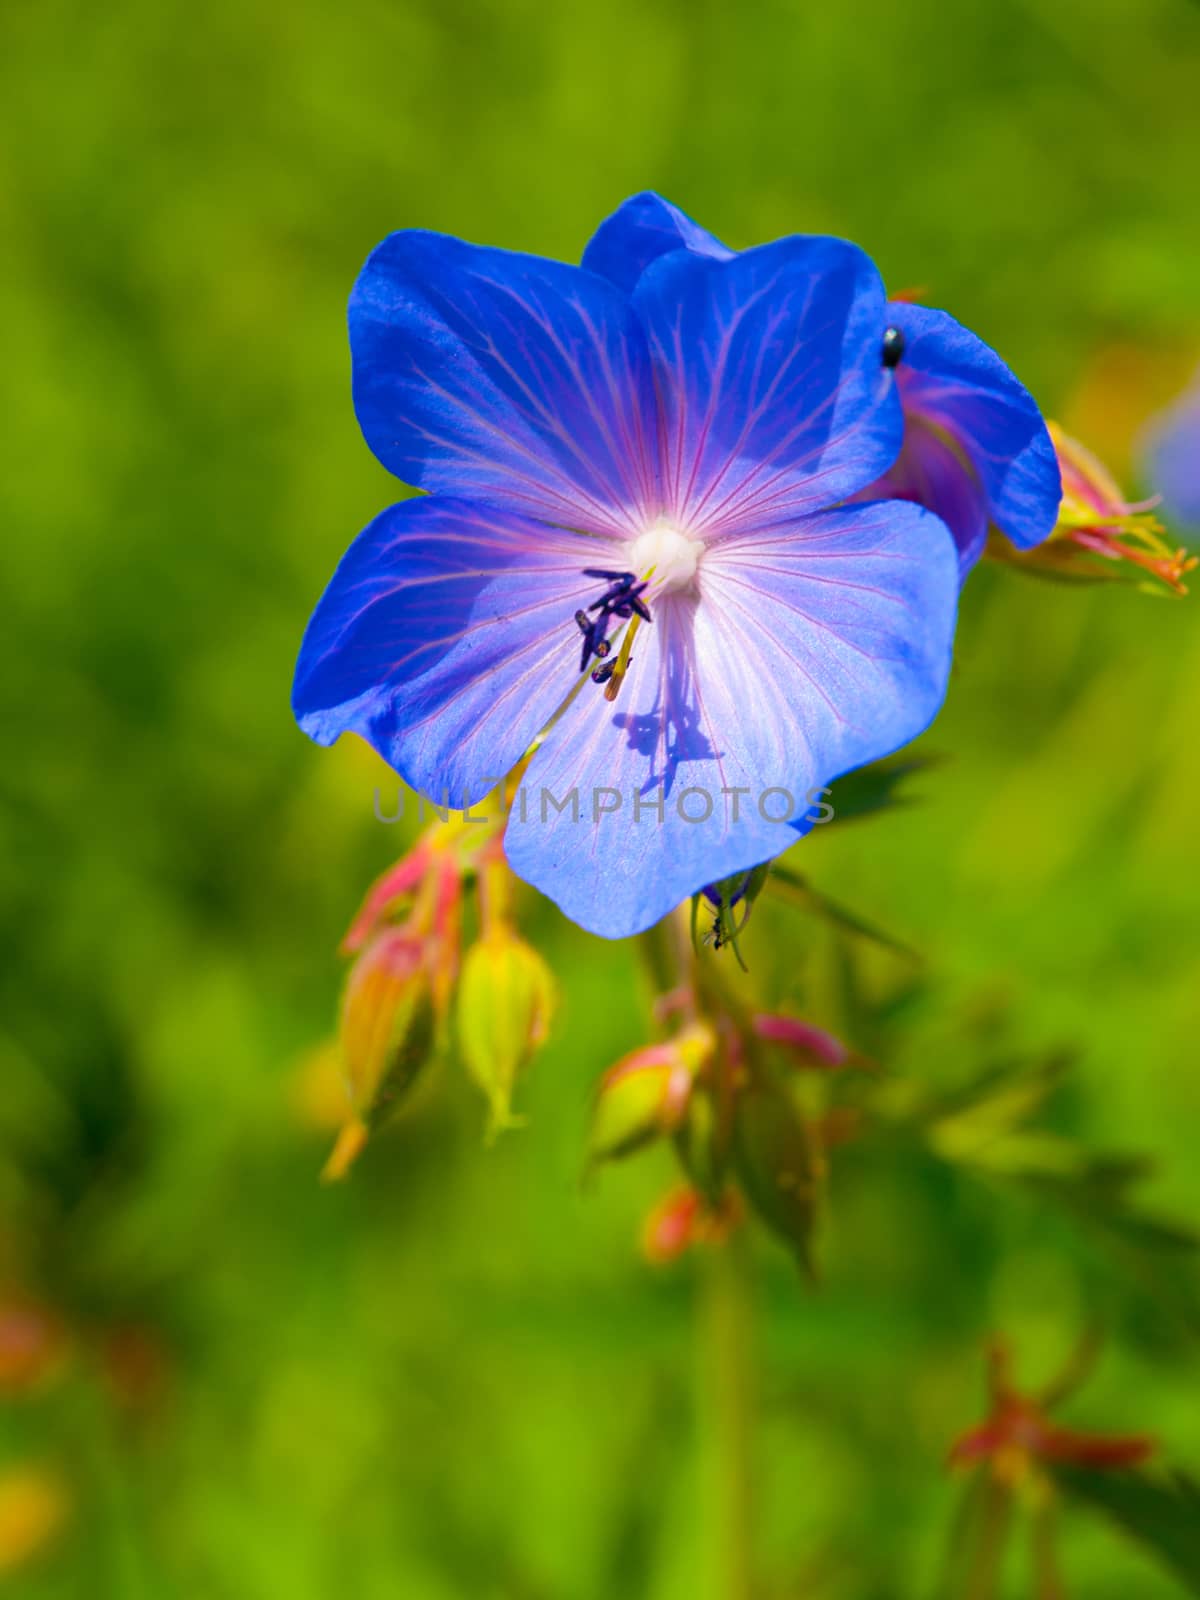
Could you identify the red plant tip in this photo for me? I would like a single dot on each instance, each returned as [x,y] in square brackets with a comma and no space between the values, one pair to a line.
[1020,1431]
[813,1047]
[1018,1434]
[32,1344]
[669,1228]
[683,1218]
[1098,1451]
[388,894]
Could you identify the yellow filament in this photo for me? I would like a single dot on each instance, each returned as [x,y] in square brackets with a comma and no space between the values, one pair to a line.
[613,687]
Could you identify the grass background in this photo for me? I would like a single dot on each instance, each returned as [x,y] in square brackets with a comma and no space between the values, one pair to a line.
[454,1376]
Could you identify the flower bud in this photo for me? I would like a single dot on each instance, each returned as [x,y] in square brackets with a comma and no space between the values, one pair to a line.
[506,997]
[741,886]
[1095,519]
[386,1036]
[646,1094]
[387,1023]
[670,1228]
[732,900]
[422,896]
[683,1218]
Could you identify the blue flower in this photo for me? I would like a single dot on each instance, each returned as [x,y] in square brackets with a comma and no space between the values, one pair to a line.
[687,441]
[1172,452]
[976,449]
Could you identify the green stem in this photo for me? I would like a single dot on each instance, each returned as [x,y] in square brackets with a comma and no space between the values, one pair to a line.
[987,1561]
[727,1405]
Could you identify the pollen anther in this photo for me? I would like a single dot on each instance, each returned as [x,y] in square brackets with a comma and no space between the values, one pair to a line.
[673,554]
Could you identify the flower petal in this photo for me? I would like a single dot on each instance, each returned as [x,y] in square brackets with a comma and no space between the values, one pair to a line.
[843,623]
[505,378]
[930,472]
[1172,458]
[814,647]
[446,639]
[960,384]
[775,401]
[638,232]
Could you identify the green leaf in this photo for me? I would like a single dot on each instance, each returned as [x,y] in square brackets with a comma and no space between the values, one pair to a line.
[778,1167]
[874,788]
[1161,1512]
[1162,1256]
[789,885]
[971,1124]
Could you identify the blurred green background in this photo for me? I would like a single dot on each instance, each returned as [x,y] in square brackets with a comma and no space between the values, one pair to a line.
[454,1375]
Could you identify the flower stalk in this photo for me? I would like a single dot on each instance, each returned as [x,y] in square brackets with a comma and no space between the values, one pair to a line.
[727,1410]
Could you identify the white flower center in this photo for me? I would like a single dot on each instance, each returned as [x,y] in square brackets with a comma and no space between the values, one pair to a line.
[673,554]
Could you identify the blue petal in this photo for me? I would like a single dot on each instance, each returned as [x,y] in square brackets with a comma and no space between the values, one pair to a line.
[638,232]
[446,639]
[774,399]
[1172,452]
[931,472]
[812,648]
[960,384]
[505,378]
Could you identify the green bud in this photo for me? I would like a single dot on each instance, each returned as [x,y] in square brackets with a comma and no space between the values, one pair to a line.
[646,1095]
[506,996]
[638,1100]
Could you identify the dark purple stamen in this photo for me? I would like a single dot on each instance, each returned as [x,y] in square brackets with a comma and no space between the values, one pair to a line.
[603,673]
[629,603]
[620,594]
[593,630]
[621,599]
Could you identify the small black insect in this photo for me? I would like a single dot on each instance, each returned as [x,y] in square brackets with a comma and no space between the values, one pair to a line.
[893,347]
